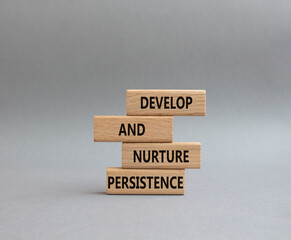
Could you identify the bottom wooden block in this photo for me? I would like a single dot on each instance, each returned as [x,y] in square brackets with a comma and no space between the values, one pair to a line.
[145,181]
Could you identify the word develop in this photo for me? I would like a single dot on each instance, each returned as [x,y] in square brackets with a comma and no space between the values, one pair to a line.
[165,102]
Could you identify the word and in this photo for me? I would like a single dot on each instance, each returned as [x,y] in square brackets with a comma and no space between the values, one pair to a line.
[136,130]
[165,102]
[161,156]
[142,182]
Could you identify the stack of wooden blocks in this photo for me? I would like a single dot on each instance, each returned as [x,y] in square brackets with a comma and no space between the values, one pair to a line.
[151,162]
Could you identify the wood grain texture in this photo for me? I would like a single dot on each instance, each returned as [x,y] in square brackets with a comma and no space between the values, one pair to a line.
[145,181]
[156,129]
[177,155]
[166,102]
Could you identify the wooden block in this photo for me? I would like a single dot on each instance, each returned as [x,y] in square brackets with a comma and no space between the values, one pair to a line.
[133,129]
[166,102]
[145,181]
[176,155]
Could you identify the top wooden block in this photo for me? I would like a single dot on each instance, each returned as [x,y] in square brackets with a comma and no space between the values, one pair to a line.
[166,102]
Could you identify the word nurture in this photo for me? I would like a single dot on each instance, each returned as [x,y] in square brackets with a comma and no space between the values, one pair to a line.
[161,156]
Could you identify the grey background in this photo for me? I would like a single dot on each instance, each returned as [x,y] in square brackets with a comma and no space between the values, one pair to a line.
[61,62]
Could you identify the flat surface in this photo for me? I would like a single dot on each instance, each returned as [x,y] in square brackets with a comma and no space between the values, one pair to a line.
[62,62]
[56,189]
